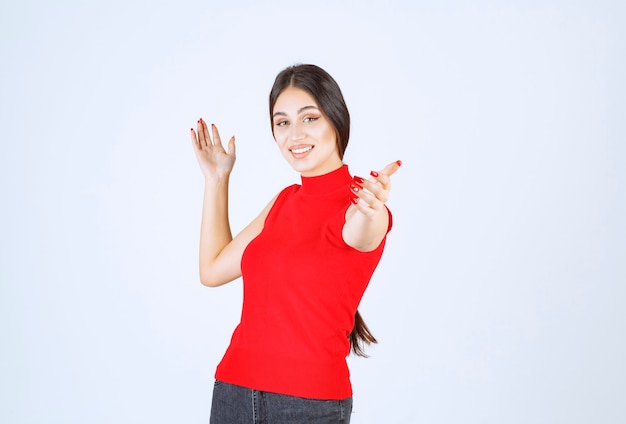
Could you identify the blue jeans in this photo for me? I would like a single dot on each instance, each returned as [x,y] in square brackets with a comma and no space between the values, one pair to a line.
[239,405]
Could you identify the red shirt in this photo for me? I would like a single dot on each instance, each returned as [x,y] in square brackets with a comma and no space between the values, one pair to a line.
[302,285]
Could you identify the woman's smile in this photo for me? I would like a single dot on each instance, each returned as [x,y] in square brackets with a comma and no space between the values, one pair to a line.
[300,152]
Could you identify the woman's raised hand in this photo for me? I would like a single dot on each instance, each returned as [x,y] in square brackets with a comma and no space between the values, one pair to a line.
[377,188]
[367,222]
[215,162]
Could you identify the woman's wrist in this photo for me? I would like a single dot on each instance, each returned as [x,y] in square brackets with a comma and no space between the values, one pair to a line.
[216,180]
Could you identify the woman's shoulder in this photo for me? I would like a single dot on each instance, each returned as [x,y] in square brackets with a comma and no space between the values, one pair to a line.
[283,195]
[288,191]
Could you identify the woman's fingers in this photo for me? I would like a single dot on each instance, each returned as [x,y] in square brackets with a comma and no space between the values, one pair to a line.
[211,142]
[379,190]
[369,196]
[367,203]
[213,159]
[194,140]
[383,175]
[231,146]
[373,193]
[200,134]
[217,141]
[212,138]
[391,168]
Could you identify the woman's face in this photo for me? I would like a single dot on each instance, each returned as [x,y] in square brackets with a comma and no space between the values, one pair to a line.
[303,133]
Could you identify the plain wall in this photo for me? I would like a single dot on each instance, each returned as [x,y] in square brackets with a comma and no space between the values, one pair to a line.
[500,297]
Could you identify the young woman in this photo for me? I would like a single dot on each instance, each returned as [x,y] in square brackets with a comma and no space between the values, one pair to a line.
[306,261]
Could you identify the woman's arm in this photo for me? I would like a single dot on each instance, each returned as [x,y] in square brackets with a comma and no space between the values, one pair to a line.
[367,220]
[220,254]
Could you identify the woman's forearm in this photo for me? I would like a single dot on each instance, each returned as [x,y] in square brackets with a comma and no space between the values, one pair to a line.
[365,233]
[215,233]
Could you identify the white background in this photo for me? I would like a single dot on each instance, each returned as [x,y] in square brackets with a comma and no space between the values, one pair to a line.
[501,294]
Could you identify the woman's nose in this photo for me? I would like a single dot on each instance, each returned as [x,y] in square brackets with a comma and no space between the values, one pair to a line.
[297,132]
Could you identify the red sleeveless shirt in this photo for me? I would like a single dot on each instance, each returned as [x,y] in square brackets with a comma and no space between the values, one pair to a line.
[302,286]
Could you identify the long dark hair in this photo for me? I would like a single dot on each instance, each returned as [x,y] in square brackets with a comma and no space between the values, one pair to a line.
[324,90]
[360,336]
[327,94]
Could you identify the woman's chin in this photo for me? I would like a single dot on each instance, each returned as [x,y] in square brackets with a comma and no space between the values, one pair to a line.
[301,168]
[308,166]
[299,165]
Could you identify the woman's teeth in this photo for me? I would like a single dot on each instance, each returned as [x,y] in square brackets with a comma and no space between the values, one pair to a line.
[301,150]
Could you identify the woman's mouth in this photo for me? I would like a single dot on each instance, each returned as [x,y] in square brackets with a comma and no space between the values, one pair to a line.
[300,151]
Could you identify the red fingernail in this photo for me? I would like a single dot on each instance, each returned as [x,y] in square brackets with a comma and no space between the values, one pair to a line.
[354,200]
[374,174]
[354,188]
[359,179]
[399,162]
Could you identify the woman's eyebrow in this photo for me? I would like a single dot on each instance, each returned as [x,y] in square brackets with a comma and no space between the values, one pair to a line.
[306,107]
[303,108]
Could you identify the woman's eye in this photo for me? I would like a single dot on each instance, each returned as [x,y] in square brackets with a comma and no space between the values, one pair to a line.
[310,119]
[281,123]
